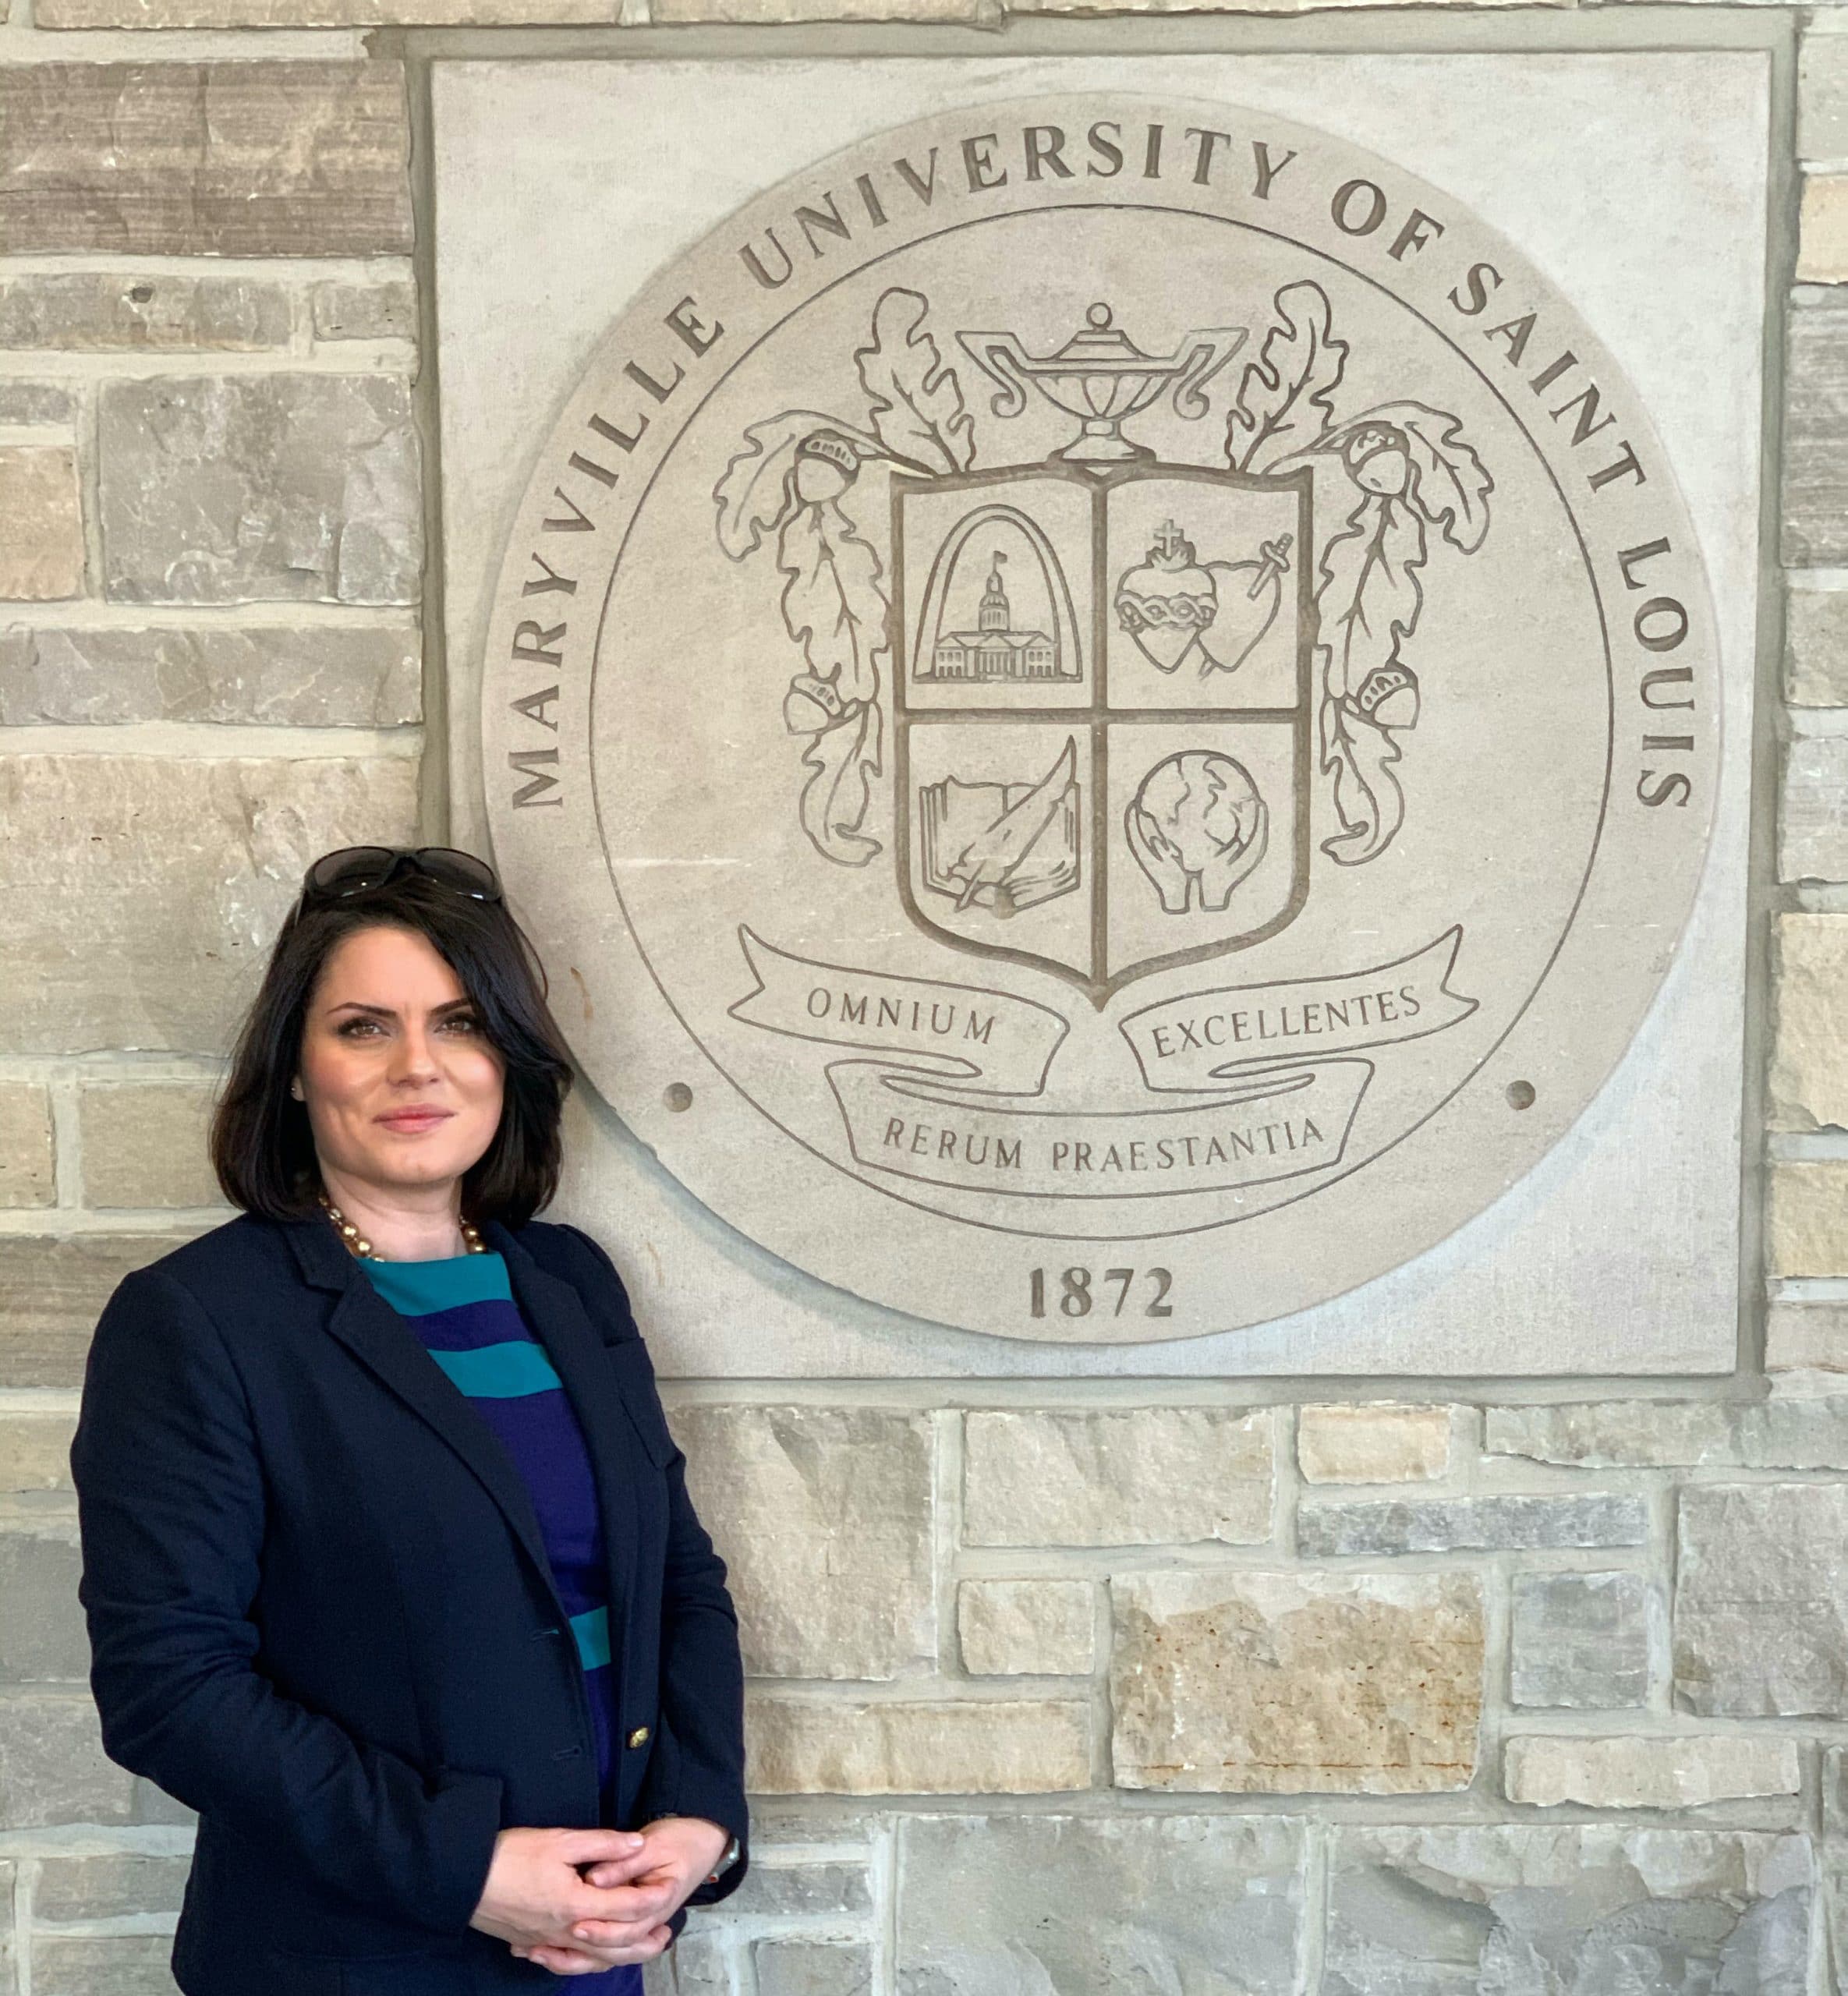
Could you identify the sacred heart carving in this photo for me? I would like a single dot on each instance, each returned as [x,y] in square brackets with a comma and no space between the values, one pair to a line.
[1174,605]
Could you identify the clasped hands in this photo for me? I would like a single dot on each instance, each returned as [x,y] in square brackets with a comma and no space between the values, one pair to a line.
[579,1901]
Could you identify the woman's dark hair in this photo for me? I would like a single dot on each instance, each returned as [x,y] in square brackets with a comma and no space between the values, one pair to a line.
[261,1147]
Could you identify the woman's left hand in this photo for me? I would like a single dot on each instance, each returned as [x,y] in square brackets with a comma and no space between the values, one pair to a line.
[677,1854]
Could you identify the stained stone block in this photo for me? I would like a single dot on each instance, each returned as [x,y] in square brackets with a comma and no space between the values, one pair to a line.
[1813,818]
[1091,1906]
[812,1968]
[1815,647]
[41,524]
[150,928]
[777,1892]
[824,1517]
[939,1746]
[96,312]
[228,159]
[1805,1433]
[260,487]
[1026,1627]
[1140,1476]
[1580,1641]
[42,1637]
[1548,1769]
[359,676]
[9,1934]
[28,1166]
[382,311]
[1806,1225]
[1806,1336]
[144,1144]
[1595,1908]
[698,1964]
[1808,1087]
[1761,1600]
[1372,1444]
[95,1964]
[1822,230]
[1613,1434]
[326,13]
[112,1886]
[35,404]
[51,1292]
[1471,1524]
[35,1451]
[1287,1683]
[1815,494]
[52,1766]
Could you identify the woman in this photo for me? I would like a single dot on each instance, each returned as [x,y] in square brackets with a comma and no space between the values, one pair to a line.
[388,1563]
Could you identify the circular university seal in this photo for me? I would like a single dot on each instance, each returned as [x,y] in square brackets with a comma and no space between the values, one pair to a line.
[1105,712]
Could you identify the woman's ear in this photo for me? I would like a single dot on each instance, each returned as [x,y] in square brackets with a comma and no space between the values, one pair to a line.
[295,1089]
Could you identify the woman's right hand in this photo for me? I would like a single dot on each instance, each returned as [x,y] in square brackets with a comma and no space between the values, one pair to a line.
[534,1893]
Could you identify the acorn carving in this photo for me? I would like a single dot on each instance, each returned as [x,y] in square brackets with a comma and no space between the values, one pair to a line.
[826,465]
[1378,455]
[1389,696]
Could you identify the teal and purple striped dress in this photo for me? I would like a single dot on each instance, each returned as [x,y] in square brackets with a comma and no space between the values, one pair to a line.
[463,1310]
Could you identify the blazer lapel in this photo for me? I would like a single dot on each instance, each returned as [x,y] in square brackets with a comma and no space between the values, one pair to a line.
[556,1315]
[374,1333]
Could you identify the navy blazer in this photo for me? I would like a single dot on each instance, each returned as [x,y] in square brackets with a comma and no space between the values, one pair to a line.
[321,1612]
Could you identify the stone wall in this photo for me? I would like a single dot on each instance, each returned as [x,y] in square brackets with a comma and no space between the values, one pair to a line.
[1079,1689]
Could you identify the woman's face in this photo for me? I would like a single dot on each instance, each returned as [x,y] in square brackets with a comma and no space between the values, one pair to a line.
[401,1086]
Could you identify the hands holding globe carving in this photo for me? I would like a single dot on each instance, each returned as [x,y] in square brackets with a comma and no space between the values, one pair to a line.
[1198,828]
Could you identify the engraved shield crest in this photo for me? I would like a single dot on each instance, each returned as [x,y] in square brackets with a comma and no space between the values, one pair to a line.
[1102,693]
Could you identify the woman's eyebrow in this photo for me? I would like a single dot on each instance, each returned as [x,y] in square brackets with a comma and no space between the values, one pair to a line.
[388,1012]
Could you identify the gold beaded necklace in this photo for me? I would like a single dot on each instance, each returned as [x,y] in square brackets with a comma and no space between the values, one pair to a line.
[363,1249]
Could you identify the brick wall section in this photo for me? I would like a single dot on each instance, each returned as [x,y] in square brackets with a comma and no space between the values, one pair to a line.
[1339,1697]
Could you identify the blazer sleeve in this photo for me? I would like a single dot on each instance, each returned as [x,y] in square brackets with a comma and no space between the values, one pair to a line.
[698,1766]
[170,1511]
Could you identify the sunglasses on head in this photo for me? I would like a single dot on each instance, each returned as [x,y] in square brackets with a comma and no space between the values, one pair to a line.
[361,869]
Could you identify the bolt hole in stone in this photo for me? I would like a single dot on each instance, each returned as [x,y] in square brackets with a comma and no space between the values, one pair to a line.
[1521,1094]
[678,1096]
[141,294]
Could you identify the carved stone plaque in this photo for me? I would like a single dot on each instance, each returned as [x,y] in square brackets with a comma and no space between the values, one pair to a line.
[1106,715]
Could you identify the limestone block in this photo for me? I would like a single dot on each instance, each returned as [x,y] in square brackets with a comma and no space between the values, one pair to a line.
[1580,1641]
[10,1938]
[52,1766]
[98,311]
[362,677]
[1807,1433]
[326,13]
[1815,491]
[812,1968]
[1761,1602]
[1813,809]
[1613,1434]
[139,897]
[1806,1224]
[1822,230]
[1137,1476]
[51,1292]
[774,1891]
[1291,1683]
[920,1747]
[92,1965]
[247,488]
[698,1964]
[1808,1085]
[155,1805]
[1373,1444]
[1445,1912]
[1099,1905]
[28,1167]
[769,12]
[824,1517]
[387,310]
[42,1637]
[1822,97]
[1806,1336]
[1815,647]
[1690,1772]
[227,159]
[37,403]
[41,524]
[144,1144]
[1010,1628]
[35,1451]
[1471,1524]
[109,1885]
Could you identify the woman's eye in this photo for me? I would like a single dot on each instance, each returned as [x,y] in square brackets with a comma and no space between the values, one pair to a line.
[462,1023]
[356,1028]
